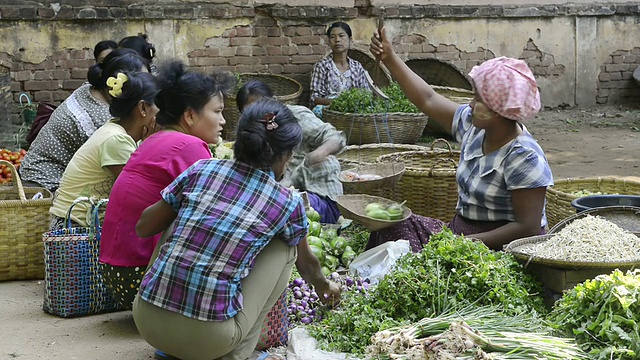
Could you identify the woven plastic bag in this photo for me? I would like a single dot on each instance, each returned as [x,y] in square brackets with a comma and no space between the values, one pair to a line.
[73,280]
[275,327]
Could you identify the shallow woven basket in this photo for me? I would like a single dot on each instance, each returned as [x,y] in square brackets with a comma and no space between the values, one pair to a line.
[368,153]
[404,128]
[559,195]
[23,220]
[513,247]
[428,183]
[626,217]
[352,207]
[390,175]
[383,78]
[286,90]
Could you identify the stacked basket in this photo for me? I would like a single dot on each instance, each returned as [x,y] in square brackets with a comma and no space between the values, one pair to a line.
[559,196]
[369,153]
[404,128]
[429,181]
[286,90]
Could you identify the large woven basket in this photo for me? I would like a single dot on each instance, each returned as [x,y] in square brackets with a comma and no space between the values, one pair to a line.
[23,220]
[559,195]
[383,79]
[404,128]
[352,207]
[440,73]
[428,183]
[626,217]
[286,90]
[368,153]
[389,174]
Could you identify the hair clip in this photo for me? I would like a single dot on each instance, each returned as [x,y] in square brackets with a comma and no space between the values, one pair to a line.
[115,83]
[270,120]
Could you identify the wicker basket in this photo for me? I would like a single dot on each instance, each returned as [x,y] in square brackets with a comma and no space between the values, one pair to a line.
[286,90]
[23,220]
[404,128]
[428,183]
[559,195]
[515,246]
[369,63]
[626,217]
[431,180]
[368,153]
[390,174]
[440,73]
[352,207]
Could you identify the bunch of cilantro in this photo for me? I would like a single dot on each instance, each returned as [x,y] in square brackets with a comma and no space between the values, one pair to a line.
[449,274]
[362,101]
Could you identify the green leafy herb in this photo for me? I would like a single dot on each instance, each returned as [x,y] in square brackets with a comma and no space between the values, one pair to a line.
[603,314]
[450,273]
[362,101]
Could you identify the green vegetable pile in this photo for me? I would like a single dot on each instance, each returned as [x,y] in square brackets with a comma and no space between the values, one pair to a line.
[603,314]
[450,273]
[362,101]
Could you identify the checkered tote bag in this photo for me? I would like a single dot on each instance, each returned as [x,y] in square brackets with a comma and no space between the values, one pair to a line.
[275,327]
[73,281]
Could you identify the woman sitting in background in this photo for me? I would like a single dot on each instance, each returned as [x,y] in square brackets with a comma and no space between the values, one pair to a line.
[191,107]
[336,72]
[94,167]
[102,49]
[313,167]
[503,173]
[77,118]
[140,43]
[230,253]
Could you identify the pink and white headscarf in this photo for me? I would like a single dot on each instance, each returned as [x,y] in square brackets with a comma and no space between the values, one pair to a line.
[508,87]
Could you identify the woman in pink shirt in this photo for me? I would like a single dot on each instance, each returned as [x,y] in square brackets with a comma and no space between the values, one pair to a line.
[191,107]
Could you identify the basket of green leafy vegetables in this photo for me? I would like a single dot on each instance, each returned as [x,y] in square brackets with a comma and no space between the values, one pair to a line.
[366,119]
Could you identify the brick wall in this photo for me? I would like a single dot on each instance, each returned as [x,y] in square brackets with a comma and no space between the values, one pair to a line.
[282,40]
[615,82]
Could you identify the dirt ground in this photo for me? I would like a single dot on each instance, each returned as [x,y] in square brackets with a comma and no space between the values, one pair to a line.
[602,141]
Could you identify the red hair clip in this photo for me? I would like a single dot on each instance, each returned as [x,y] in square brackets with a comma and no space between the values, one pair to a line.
[270,120]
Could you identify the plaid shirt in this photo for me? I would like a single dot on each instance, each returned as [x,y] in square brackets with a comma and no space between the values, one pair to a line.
[227,213]
[328,82]
[485,181]
[321,179]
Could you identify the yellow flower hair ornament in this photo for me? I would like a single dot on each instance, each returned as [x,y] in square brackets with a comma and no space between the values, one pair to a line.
[115,83]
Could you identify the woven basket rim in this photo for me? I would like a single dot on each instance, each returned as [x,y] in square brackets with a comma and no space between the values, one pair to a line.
[346,202]
[365,185]
[553,189]
[283,77]
[432,170]
[595,211]
[418,114]
[513,246]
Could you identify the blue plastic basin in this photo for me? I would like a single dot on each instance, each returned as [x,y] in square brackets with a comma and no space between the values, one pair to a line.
[596,201]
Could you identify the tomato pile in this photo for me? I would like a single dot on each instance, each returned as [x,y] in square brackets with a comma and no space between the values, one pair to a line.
[14,157]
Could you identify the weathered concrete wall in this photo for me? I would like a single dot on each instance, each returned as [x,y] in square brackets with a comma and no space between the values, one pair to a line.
[581,53]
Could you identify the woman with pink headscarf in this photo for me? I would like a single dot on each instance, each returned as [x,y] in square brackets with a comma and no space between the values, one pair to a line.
[503,173]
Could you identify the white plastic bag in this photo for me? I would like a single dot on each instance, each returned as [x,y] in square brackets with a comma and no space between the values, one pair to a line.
[375,263]
[304,347]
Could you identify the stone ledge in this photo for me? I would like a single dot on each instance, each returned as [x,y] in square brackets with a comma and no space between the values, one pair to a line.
[106,11]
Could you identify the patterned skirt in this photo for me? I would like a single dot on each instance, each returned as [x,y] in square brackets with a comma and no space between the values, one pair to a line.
[123,282]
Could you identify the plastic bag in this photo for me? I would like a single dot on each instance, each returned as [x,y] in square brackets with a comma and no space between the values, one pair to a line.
[304,347]
[375,263]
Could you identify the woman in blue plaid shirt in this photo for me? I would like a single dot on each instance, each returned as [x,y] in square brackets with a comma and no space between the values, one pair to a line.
[336,72]
[229,255]
[503,173]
